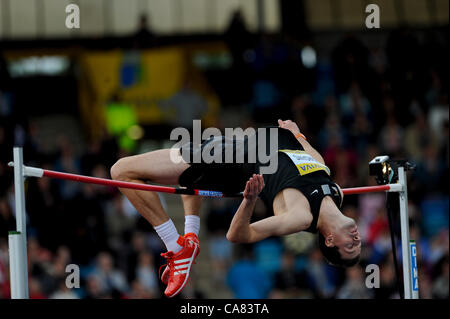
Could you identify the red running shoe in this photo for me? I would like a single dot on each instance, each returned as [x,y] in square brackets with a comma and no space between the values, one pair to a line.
[166,273]
[179,265]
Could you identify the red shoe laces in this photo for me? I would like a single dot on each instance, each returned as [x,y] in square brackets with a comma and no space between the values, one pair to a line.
[169,263]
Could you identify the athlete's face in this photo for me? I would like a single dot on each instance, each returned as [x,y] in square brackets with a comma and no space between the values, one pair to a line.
[348,241]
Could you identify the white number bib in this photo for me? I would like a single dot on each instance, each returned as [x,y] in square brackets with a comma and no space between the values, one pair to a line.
[304,162]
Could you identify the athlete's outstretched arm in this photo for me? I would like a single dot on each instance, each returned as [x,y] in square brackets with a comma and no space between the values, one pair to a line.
[241,231]
[291,126]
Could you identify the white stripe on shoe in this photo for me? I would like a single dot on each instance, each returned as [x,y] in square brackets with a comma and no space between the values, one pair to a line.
[181,266]
[187,271]
[183,260]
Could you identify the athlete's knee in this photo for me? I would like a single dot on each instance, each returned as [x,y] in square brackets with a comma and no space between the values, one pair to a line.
[121,169]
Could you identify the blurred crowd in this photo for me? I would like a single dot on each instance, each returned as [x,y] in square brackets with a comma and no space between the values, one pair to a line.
[360,102]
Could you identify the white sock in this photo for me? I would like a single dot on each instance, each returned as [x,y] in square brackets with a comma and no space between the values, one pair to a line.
[169,235]
[192,224]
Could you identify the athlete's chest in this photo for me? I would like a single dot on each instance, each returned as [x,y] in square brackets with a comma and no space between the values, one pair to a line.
[289,200]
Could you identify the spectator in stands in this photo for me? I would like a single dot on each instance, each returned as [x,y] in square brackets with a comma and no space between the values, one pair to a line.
[94,289]
[388,284]
[220,252]
[417,136]
[245,278]
[110,279]
[35,290]
[391,137]
[440,285]
[320,276]
[67,162]
[118,222]
[4,271]
[289,282]
[63,292]
[7,220]
[138,291]
[430,170]
[354,285]
[185,105]
[146,274]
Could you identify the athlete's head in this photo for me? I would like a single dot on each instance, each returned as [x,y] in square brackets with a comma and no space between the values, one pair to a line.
[342,247]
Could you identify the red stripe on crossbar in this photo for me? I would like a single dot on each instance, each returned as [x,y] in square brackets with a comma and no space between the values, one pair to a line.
[366,189]
[108,182]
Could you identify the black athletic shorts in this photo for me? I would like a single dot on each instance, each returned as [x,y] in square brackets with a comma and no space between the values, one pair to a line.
[223,177]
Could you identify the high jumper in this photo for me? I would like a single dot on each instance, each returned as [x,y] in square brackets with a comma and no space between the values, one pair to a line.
[300,193]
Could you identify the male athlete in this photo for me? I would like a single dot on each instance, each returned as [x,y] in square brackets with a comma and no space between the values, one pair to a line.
[300,193]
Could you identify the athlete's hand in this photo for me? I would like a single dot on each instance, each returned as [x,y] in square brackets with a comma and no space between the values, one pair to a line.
[253,187]
[289,125]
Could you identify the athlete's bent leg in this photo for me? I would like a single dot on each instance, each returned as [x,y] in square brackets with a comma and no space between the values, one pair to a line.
[159,167]
[156,167]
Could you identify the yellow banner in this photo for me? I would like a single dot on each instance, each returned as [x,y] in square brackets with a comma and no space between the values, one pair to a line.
[141,79]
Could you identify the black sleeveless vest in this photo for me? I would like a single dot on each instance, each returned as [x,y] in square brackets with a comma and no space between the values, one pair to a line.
[314,186]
